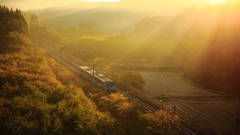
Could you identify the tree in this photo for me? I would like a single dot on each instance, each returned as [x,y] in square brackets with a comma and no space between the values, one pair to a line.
[125,112]
[158,123]
[34,109]
[132,78]
[52,62]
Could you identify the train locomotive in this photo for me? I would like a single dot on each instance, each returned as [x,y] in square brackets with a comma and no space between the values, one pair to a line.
[97,78]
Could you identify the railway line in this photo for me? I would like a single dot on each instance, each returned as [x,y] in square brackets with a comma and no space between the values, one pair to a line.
[74,67]
[208,116]
[142,104]
[152,109]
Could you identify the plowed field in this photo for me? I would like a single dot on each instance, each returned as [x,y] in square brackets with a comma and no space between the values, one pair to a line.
[169,84]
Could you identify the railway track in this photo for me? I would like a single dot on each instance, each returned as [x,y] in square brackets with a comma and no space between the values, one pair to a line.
[208,115]
[139,102]
[152,109]
[74,67]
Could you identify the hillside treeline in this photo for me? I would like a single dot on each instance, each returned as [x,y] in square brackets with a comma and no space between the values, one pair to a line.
[202,43]
[13,26]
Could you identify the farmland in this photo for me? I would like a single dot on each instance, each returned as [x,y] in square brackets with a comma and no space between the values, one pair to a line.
[207,111]
[170,84]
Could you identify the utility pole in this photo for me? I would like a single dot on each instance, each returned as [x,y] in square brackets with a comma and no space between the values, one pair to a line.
[44,46]
[61,54]
[67,49]
[238,107]
[130,73]
[175,109]
[93,70]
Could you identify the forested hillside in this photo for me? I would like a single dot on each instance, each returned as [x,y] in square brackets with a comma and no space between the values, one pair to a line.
[205,41]
[216,63]
[32,100]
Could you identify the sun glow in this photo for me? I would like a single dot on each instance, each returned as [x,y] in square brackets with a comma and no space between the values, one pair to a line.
[214,2]
[101,0]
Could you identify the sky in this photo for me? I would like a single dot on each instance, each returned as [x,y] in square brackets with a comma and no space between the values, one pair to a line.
[39,4]
[101,0]
[206,1]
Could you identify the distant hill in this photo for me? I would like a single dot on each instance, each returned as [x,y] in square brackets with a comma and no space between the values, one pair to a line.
[109,20]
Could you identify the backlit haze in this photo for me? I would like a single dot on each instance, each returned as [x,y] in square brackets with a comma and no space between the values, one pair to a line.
[182,56]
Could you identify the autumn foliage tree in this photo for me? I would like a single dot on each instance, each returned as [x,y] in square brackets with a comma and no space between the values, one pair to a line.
[13,30]
[132,78]
[158,123]
[124,111]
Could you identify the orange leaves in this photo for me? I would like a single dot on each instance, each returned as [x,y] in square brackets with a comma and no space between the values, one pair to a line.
[131,78]
[115,103]
[159,123]
[125,108]
[125,112]
[114,99]
[17,68]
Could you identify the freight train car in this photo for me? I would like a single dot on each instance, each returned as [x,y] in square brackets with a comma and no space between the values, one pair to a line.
[99,79]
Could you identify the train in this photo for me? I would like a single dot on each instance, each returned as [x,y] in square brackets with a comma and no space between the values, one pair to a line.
[97,78]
